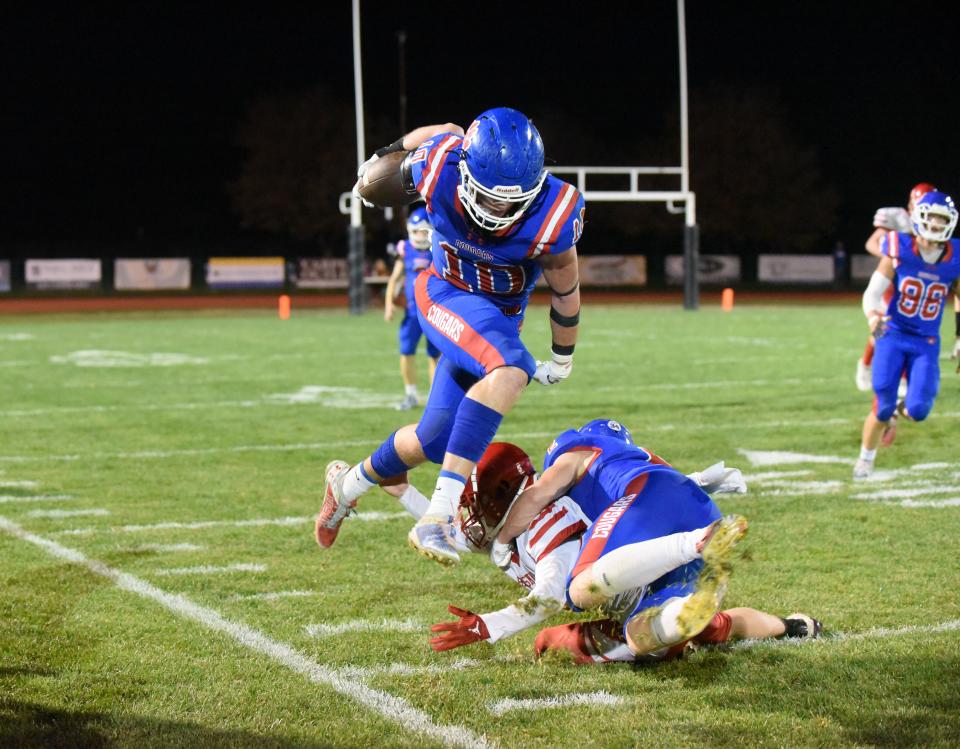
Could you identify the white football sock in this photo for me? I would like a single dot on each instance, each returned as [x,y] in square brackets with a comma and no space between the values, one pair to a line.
[639,564]
[355,484]
[410,390]
[446,497]
[664,625]
[866,454]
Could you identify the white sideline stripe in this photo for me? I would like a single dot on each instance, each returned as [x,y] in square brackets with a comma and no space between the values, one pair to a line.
[363,625]
[774,475]
[165,548]
[19,484]
[392,708]
[200,524]
[66,513]
[779,458]
[562,700]
[275,596]
[870,634]
[906,493]
[206,569]
[16,498]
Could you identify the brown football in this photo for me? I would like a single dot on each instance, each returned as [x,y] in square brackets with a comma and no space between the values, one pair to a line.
[382,183]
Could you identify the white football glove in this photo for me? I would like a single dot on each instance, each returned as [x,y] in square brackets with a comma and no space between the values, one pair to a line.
[501,554]
[718,479]
[551,372]
[357,196]
[362,169]
[893,218]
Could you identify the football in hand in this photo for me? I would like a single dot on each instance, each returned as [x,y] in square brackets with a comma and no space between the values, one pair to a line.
[382,182]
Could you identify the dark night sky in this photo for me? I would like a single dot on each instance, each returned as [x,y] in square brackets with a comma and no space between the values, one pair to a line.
[118,119]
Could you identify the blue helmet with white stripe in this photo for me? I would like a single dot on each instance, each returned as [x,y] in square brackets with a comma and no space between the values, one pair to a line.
[419,230]
[934,216]
[501,169]
[607,428]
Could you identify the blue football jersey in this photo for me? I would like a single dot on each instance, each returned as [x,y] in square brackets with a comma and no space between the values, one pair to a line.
[500,266]
[613,466]
[414,262]
[919,288]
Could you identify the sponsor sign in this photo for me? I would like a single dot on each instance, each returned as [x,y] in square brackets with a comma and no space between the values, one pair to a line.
[62,274]
[710,269]
[149,274]
[613,270]
[4,275]
[862,267]
[321,273]
[245,272]
[795,268]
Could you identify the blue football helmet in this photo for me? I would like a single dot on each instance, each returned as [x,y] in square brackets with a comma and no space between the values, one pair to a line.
[501,169]
[607,428]
[419,231]
[934,216]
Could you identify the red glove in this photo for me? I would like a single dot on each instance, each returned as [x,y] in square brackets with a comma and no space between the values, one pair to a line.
[469,629]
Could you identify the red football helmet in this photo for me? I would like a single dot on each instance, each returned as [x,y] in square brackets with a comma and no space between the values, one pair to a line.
[918,191]
[502,474]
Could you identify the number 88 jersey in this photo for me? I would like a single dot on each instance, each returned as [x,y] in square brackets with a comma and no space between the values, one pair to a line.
[501,266]
[919,288]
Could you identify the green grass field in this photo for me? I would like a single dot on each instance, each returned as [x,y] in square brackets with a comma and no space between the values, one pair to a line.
[143,456]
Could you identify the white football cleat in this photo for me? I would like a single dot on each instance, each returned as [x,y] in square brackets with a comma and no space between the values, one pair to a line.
[862,470]
[408,402]
[864,377]
[433,537]
[334,509]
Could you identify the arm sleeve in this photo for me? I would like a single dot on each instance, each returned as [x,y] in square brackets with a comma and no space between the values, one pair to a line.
[545,599]
[873,296]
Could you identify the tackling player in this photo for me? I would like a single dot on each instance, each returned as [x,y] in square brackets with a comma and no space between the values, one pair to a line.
[921,271]
[546,555]
[893,218]
[413,257]
[499,221]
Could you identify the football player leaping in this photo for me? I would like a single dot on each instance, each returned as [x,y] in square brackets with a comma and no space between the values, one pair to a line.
[921,271]
[413,258]
[546,555]
[499,221]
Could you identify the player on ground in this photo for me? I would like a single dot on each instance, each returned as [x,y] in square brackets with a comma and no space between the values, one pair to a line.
[547,553]
[893,218]
[922,270]
[499,221]
[413,257]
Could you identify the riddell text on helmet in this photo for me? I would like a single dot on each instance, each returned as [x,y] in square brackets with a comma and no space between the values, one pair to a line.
[447,323]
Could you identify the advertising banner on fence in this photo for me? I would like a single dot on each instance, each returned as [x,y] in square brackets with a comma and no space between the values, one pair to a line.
[245,272]
[320,273]
[613,270]
[62,274]
[710,269]
[4,275]
[151,274]
[862,267]
[795,268]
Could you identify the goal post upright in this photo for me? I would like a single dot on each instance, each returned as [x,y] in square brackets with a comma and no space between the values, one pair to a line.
[676,201]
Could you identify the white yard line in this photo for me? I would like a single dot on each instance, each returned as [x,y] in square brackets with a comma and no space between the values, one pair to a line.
[67,513]
[19,484]
[207,569]
[164,548]
[912,503]
[364,625]
[604,699]
[779,458]
[364,517]
[6,499]
[773,475]
[870,634]
[390,707]
[274,596]
[906,493]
